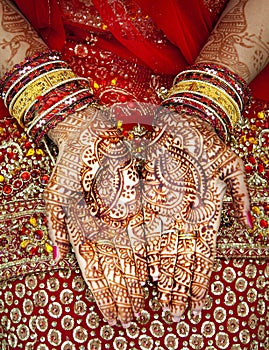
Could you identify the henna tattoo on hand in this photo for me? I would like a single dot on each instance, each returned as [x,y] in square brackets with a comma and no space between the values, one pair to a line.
[185,179]
[17,38]
[93,202]
[239,42]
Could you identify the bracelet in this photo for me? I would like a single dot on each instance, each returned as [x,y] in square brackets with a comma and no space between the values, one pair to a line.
[187,104]
[42,91]
[35,88]
[25,78]
[27,64]
[212,92]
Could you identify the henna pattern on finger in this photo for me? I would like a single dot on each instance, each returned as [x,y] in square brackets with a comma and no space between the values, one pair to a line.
[97,187]
[185,180]
[108,259]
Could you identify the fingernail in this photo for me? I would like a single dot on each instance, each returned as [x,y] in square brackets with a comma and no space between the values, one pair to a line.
[165,308]
[176,318]
[112,323]
[249,219]
[196,313]
[55,252]
[126,325]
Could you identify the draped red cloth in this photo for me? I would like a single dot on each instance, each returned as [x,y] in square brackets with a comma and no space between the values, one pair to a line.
[186,25]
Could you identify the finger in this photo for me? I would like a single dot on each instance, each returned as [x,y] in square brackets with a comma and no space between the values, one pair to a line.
[183,272]
[136,234]
[81,226]
[56,221]
[205,233]
[233,174]
[168,259]
[92,272]
[153,234]
[128,268]
[111,267]
[204,257]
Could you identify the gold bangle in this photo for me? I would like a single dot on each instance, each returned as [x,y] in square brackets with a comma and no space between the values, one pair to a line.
[35,88]
[212,92]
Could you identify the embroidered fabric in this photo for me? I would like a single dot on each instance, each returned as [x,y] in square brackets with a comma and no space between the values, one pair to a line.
[44,305]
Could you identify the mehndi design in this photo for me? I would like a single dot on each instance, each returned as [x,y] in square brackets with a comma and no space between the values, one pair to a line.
[185,178]
[95,192]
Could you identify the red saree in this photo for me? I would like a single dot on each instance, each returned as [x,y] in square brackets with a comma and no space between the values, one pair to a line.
[129,50]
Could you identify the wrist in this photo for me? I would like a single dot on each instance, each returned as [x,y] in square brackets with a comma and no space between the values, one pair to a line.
[212,93]
[42,91]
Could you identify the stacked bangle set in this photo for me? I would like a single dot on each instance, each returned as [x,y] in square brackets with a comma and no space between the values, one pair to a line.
[42,90]
[211,92]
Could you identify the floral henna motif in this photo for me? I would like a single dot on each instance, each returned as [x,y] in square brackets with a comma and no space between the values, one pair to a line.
[18,39]
[185,179]
[232,36]
[98,190]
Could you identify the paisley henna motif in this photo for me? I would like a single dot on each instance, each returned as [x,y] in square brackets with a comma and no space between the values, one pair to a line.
[93,202]
[185,179]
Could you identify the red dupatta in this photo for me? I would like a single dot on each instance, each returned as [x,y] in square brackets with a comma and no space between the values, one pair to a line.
[186,25]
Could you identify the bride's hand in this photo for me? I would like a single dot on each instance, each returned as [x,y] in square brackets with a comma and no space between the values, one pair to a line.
[187,173]
[93,203]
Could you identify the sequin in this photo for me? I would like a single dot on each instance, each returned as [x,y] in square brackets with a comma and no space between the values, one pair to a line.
[233,325]
[133,331]
[54,337]
[222,340]
[220,314]
[196,342]
[230,298]
[107,332]
[40,298]
[15,315]
[30,282]
[229,274]
[183,329]
[241,284]
[120,343]
[66,297]
[145,342]
[157,329]
[95,344]
[67,322]
[252,321]
[53,284]
[28,306]
[42,323]
[92,320]
[68,345]
[55,310]
[242,309]
[23,332]
[80,334]
[208,329]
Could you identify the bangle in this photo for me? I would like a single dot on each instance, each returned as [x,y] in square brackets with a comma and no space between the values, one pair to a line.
[213,93]
[35,88]
[42,91]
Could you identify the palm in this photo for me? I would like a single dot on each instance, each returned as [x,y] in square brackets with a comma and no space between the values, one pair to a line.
[185,179]
[93,203]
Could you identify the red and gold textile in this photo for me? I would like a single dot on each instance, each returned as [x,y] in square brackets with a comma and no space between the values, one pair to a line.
[47,306]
